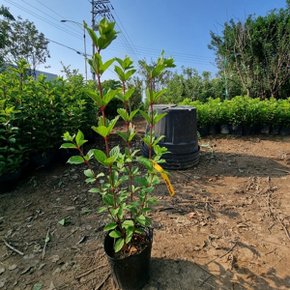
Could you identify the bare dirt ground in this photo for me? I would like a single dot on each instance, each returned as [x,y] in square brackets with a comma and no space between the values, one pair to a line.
[226,228]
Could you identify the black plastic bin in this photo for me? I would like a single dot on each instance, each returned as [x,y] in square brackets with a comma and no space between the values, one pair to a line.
[179,127]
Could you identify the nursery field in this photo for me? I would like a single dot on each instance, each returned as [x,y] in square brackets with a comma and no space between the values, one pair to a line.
[226,228]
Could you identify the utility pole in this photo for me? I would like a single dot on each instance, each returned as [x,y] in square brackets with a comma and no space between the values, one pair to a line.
[100,9]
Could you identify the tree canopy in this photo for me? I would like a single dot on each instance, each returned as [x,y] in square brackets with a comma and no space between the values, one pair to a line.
[20,39]
[256,52]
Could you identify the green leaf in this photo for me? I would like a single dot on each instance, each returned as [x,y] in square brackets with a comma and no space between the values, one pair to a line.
[146,116]
[129,74]
[108,199]
[129,235]
[141,180]
[106,65]
[156,95]
[146,162]
[133,113]
[76,160]
[108,96]
[95,96]
[92,34]
[89,173]
[100,155]
[101,130]
[141,220]
[67,137]
[110,227]
[158,117]
[94,190]
[119,245]
[80,138]
[123,113]
[115,234]
[124,136]
[128,223]
[102,209]
[120,73]
[115,151]
[129,94]
[113,123]
[68,146]
[64,221]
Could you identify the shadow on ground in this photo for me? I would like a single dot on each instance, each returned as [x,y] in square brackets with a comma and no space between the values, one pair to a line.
[240,165]
[167,274]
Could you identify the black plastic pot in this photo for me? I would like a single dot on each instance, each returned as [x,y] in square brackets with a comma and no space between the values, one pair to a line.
[203,131]
[133,272]
[213,130]
[285,131]
[225,129]
[275,130]
[180,136]
[9,181]
[237,130]
[265,129]
[43,159]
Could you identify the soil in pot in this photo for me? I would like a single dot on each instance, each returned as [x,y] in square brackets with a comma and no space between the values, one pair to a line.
[130,272]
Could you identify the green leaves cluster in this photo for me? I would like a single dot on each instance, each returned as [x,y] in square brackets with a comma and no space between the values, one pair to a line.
[242,111]
[43,111]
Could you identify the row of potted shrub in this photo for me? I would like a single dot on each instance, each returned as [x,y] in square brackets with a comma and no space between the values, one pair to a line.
[34,114]
[243,115]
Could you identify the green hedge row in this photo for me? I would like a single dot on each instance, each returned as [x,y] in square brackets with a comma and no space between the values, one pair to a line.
[34,114]
[252,114]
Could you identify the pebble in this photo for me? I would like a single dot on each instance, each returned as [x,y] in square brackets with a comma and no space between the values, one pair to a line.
[56,271]
[28,257]
[54,258]
[12,267]
[2,270]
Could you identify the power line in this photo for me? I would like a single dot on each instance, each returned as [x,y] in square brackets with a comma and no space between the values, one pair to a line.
[43,12]
[56,13]
[41,18]
[125,35]
[66,46]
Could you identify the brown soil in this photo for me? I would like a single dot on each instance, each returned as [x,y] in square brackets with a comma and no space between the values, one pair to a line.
[226,228]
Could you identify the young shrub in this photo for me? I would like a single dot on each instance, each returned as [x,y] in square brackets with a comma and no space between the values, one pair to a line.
[125,188]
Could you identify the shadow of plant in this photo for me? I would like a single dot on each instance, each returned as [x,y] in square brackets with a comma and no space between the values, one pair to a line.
[168,274]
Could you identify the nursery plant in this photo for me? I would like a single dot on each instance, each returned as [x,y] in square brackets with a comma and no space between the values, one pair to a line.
[126,179]
[11,152]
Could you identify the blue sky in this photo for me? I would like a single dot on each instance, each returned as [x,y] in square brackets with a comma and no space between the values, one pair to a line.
[181,28]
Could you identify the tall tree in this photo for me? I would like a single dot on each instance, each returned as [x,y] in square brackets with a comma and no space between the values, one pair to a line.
[4,11]
[257,52]
[24,41]
[4,26]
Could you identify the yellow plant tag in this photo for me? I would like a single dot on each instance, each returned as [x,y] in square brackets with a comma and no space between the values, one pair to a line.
[164,177]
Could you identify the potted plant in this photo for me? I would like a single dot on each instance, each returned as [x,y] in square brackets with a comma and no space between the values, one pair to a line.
[127,179]
[11,152]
